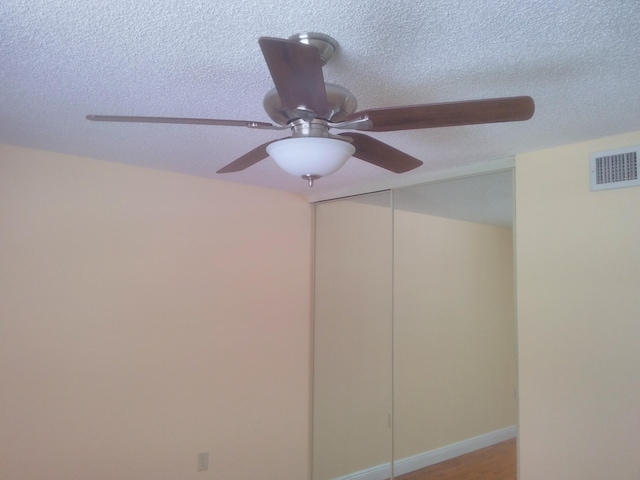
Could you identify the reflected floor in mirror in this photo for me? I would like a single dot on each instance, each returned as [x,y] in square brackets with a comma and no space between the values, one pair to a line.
[497,462]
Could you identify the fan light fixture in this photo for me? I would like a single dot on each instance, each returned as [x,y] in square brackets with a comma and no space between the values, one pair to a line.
[310,157]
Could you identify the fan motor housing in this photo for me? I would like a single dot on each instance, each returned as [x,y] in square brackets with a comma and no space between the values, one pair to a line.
[342,104]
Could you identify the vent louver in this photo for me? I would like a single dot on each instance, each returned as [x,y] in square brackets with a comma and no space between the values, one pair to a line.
[615,168]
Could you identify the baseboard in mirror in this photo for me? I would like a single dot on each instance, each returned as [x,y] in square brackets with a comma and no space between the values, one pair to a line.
[379,472]
[425,459]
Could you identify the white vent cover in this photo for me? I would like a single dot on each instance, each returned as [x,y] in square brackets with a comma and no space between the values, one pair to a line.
[615,168]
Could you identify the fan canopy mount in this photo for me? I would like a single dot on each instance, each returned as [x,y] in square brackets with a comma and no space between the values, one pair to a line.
[310,107]
[325,45]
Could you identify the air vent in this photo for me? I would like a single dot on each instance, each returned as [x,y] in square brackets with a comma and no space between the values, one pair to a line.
[615,168]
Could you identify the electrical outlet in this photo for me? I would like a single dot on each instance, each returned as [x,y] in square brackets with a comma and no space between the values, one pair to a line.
[203,461]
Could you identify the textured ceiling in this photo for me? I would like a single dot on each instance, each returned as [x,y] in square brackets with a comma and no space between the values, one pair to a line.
[63,59]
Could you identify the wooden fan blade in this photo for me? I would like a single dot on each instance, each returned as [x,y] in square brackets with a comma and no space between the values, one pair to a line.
[381,154]
[248,159]
[495,110]
[189,121]
[296,69]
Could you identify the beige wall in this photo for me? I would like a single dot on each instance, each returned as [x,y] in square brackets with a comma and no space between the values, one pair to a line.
[145,317]
[578,284]
[352,350]
[454,331]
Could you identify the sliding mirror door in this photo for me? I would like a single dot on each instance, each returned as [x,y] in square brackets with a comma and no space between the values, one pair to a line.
[352,338]
[454,319]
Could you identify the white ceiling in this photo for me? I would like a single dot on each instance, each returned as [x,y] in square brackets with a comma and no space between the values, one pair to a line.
[61,60]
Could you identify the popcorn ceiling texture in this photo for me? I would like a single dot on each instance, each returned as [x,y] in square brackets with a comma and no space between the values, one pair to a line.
[61,60]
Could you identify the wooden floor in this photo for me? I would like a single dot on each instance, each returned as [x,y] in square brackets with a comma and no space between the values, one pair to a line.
[497,462]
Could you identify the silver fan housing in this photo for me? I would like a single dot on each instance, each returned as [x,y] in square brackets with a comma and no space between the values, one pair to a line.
[342,104]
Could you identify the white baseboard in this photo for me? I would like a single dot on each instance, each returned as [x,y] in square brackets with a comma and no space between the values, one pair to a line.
[415,462]
[425,459]
[379,472]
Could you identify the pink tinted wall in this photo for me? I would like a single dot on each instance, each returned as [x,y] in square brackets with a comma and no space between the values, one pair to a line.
[147,316]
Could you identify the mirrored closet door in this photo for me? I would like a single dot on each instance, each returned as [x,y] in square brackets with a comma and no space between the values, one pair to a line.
[352,337]
[414,327]
[454,375]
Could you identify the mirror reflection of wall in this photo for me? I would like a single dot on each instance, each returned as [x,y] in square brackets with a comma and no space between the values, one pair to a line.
[414,317]
[454,319]
[352,337]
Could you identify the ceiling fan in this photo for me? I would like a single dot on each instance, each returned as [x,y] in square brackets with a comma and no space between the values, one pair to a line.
[302,102]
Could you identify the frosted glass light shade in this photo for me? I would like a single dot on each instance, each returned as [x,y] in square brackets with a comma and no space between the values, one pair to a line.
[310,156]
